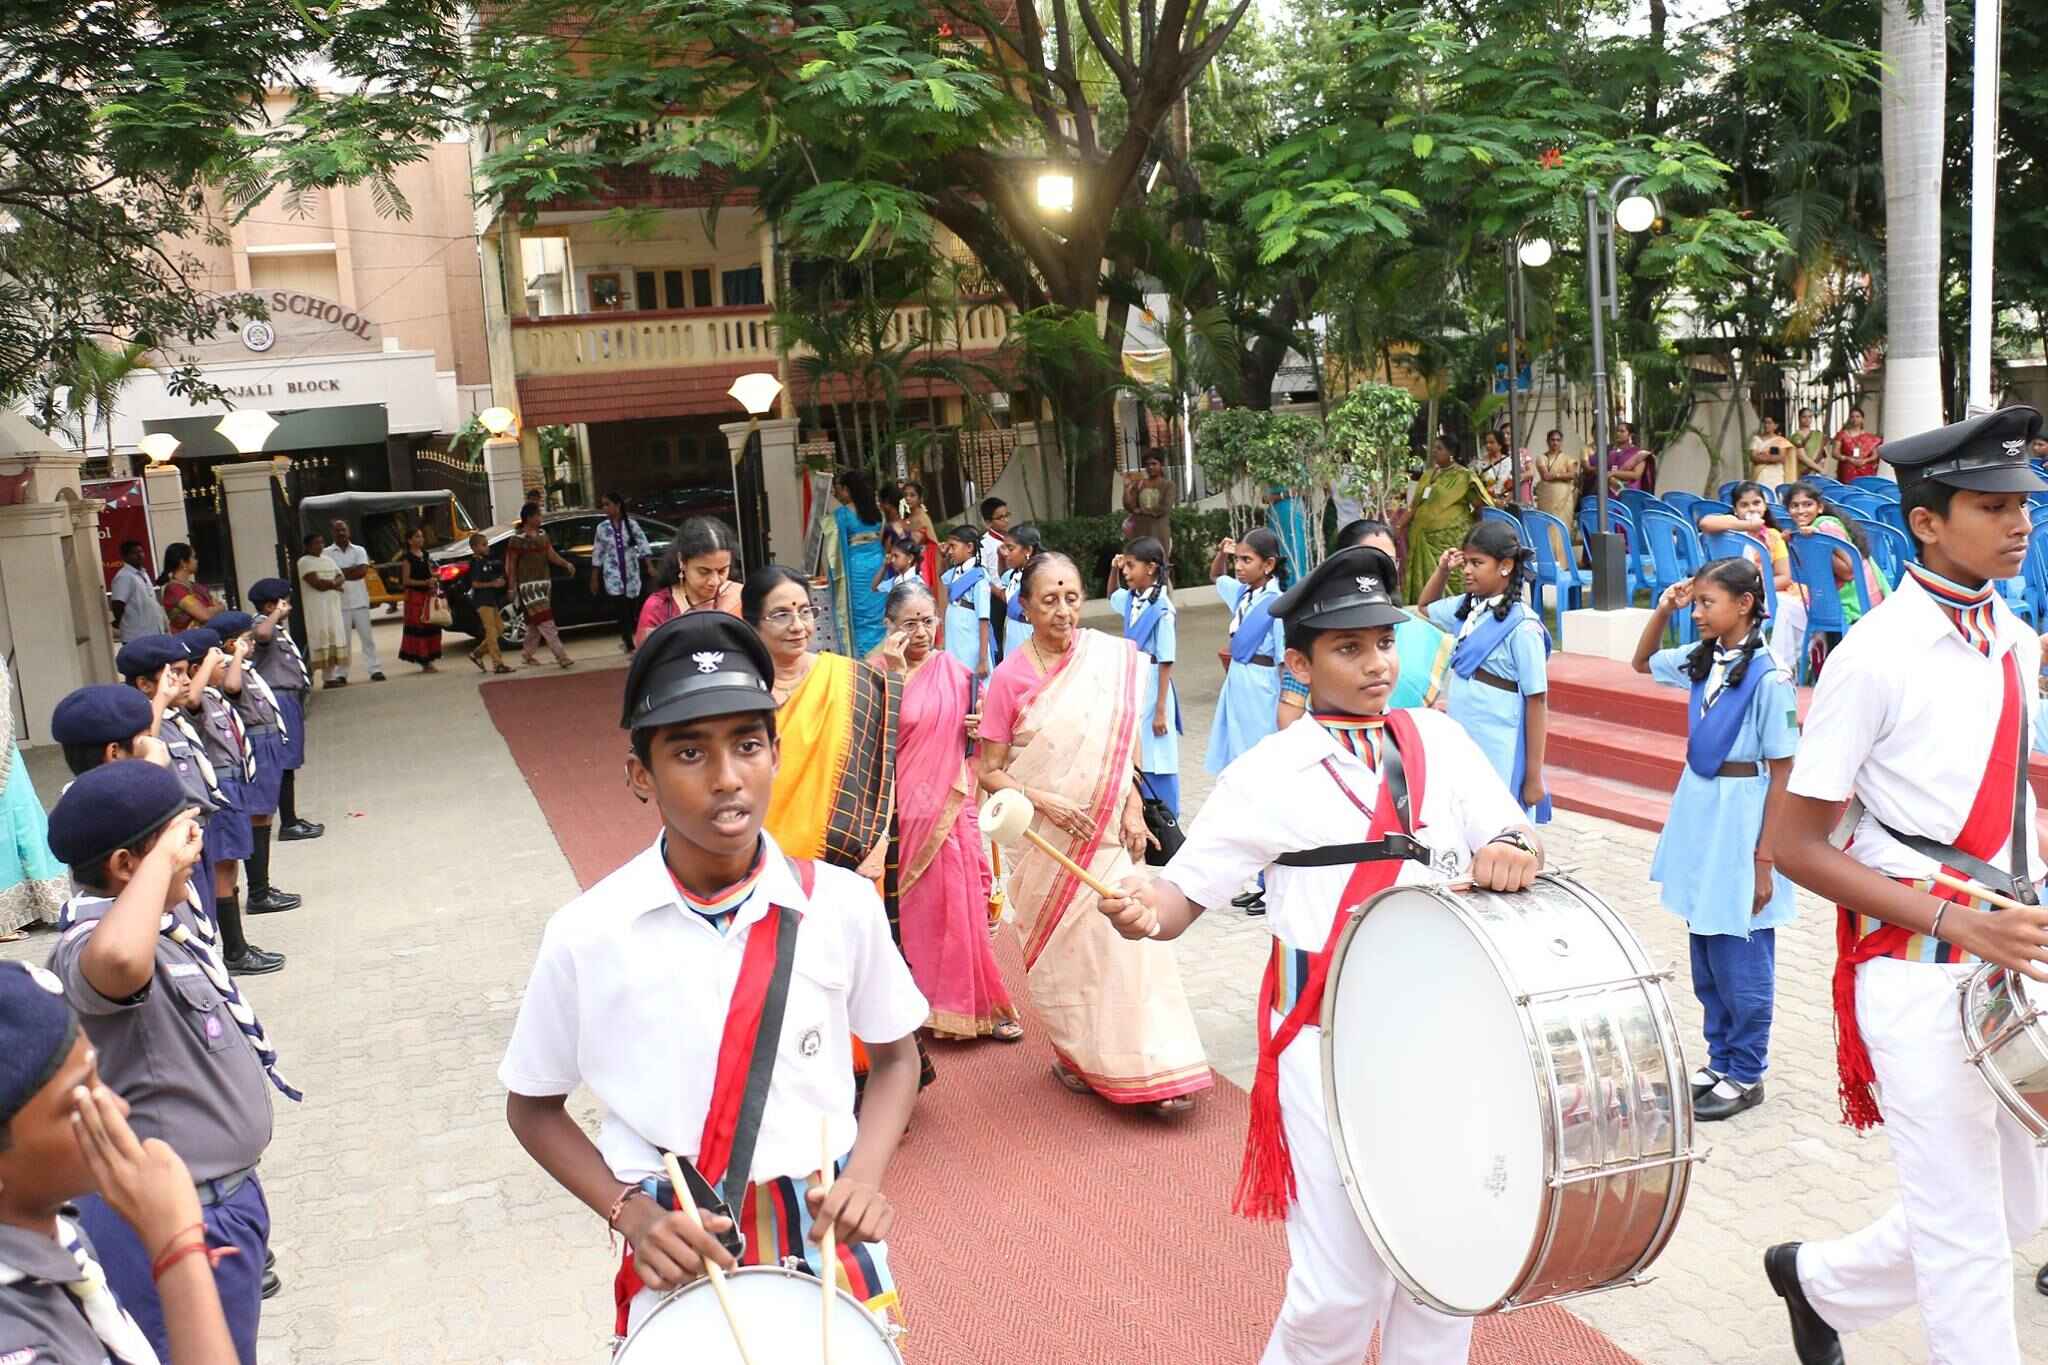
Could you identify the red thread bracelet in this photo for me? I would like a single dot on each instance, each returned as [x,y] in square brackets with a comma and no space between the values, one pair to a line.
[214,1256]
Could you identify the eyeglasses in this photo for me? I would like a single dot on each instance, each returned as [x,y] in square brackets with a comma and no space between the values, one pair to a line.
[918,622]
[789,616]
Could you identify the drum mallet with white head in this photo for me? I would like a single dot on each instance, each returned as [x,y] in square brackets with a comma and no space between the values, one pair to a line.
[1006,819]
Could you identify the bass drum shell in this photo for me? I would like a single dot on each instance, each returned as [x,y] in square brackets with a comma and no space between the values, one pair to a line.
[2004,1032]
[1506,1093]
[781,1312]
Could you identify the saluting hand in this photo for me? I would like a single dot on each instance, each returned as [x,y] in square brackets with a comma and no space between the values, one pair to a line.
[669,1246]
[145,1182]
[854,1209]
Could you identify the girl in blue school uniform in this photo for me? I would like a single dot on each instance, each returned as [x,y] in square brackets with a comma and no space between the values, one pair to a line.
[1137,580]
[1011,556]
[1248,710]
[1499,680]
[967,603]
[1742,731]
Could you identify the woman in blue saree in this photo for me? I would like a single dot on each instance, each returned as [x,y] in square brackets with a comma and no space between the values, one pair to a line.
[858,521]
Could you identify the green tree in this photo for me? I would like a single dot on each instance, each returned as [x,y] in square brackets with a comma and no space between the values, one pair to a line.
[122,116]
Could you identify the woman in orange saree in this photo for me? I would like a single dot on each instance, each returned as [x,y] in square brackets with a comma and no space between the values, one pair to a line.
[1060,723]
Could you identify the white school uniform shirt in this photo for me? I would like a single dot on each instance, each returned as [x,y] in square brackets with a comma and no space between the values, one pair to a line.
[629,996]
[1276,798]
[1903,720]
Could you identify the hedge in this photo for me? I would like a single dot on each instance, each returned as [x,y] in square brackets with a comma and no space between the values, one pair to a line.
[1091,542]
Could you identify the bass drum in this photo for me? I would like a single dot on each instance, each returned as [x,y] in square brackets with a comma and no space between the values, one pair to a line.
[2006,1034]
[781,1312]
[1506,1093]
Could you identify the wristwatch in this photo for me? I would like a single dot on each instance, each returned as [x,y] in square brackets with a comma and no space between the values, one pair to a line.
[1516,839]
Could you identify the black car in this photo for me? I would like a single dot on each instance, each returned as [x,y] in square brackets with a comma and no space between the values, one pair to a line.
[573,532]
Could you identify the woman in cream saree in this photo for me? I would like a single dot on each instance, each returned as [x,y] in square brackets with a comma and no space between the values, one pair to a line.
[1060,722]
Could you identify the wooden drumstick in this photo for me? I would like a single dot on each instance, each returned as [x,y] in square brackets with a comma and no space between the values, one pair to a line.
[1981,893]
[828,1246]
[711,1268]
[1006,819]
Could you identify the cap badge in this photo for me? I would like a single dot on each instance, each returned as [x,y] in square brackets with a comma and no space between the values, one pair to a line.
[2013,449]
[1368,584]
[708,660]
[809,1044]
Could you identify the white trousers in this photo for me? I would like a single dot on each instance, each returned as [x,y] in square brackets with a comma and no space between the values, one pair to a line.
[1788,630]
[356,621]
[1338,1289]
[1972,1184]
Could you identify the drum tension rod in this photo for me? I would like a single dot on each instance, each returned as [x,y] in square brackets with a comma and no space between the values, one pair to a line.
[1584,1173]
[1595,987]
[1636,1281]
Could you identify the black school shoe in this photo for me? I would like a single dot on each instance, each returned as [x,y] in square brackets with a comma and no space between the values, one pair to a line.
[2041,1280]
[300,829]
[271,901]
[255,962]
[1712,1107]
[1813,1341]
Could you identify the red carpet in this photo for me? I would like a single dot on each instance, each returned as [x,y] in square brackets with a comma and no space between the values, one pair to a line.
[1032,1225]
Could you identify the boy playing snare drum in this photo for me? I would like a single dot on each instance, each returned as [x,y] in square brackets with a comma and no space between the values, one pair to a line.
[1431,810]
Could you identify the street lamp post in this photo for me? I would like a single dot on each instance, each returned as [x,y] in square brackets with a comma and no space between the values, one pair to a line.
[1634,213]
[1533,252]
[756,393]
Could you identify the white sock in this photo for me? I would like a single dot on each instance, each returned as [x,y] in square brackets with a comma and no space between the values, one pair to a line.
[1703,1076]
[1732,1090]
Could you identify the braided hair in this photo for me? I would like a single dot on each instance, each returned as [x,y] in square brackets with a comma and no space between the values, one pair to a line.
[1735,575]
[1497,540]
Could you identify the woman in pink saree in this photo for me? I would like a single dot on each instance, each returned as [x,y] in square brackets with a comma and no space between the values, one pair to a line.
[1060,723]
[943,881]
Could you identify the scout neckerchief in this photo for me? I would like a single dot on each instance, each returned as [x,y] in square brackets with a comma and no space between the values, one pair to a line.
[117,1332]
[961,581]
[251,678]
[1251,621]
[1147,609]
[204,949]
[1266,1182]
[746,1059]
[235,734]
[1996,818]
[177,718]
[281,640]
[1716,711]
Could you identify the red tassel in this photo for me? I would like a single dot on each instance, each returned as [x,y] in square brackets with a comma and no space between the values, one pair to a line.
[1265,1182]
[1856,1077]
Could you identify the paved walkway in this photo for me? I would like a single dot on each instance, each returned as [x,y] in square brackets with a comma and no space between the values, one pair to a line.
[411,1228]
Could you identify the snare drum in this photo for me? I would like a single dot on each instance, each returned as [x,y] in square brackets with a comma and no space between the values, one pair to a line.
[1506,1094]
[2007,1041]
[781,1312]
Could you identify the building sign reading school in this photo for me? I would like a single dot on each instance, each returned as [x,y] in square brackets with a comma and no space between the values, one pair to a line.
[298,325]
[290,302]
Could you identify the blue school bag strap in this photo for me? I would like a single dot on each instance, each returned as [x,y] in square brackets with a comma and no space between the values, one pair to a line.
[1250,636]
[1144,631]
[1712,730]
[963,583]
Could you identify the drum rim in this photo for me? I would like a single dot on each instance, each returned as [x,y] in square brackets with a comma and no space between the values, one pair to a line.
[1681,1114]
[2002,1089]
[702,1282]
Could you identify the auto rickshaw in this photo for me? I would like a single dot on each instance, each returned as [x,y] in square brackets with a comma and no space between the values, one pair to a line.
[380,522]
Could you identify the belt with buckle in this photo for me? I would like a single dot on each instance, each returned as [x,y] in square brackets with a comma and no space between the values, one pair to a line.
[219,1189]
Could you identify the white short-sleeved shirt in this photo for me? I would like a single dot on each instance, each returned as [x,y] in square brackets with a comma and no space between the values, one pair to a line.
[1276,798]
[1903,720]
[629,997]
[355,592]
[141,611]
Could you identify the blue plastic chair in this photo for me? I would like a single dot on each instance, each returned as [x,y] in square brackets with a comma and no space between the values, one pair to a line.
[1555,567]
[1635,500]
[1675,555]
[1894,516]
[1826,483]
[1680,501]
[1737,545]
[1635,563]
[1505,517]
[1879,485]
[2034,574]
[1890,548]
[1706,506]
[1813,567]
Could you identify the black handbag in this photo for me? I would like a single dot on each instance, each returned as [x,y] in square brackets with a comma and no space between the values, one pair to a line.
[1163,825]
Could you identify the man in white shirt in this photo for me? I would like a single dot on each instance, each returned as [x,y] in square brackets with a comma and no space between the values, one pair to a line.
[1298,792]
[1922,717]
[646,985]
[137,609]
[354,562]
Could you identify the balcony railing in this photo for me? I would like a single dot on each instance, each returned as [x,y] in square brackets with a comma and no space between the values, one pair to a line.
[586,343]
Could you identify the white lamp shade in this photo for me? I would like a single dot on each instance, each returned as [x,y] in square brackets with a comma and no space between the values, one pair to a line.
[755,392]
[247,429]
[159,446]
[1056,192]
[498,421]
[1635,213]
[1535,252]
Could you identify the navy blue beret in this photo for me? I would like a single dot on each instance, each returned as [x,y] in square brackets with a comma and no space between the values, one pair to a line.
[198,640]
[104,713]
[265,590]
[39,1028]
[229,624]
[146,655]
[112,807]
